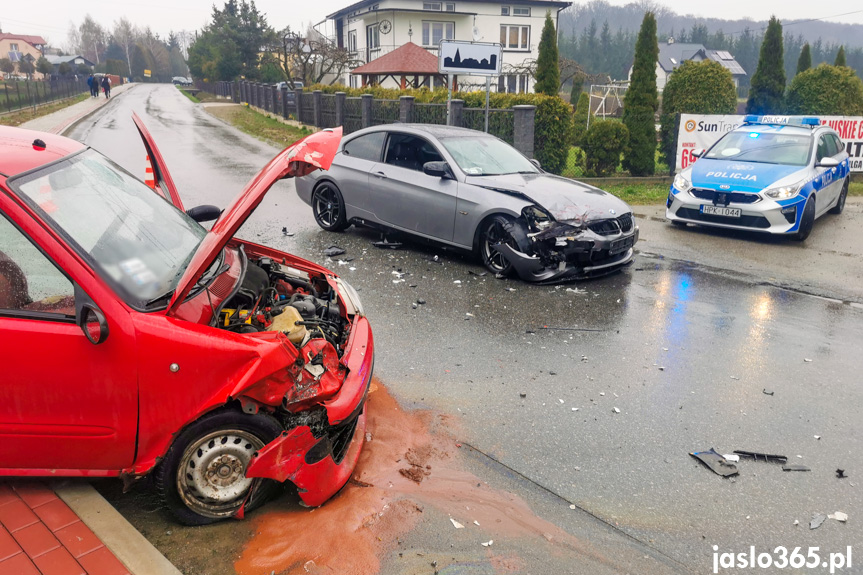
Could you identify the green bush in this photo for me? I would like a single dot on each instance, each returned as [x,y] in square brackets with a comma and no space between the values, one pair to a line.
[826,90]
[579,119]
[552,128]
[604,141]
[695,88]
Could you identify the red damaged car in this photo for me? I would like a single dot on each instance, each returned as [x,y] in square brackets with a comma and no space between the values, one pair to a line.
[136,342]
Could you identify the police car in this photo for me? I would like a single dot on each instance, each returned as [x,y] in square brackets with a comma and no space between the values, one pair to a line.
[773,174]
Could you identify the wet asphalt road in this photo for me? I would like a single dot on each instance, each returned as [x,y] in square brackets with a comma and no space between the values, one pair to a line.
[684,351]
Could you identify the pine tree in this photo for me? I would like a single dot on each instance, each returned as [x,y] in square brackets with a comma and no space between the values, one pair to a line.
[768,82]
[805,60]
[577,85]
[840,57]
[547,71]
[641,102]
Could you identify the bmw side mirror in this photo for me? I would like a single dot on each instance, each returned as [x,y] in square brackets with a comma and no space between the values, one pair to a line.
[205,213]
[827,163]
[93,323]
[438,170]
[536,163]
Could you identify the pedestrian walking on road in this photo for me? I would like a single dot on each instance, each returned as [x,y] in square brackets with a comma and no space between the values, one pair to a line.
[94,86]
[106,86]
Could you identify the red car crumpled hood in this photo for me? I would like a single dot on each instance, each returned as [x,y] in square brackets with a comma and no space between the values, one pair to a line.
[303,157]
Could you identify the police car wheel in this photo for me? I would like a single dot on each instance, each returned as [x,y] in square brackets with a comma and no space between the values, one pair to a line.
[840,203]
[806,221]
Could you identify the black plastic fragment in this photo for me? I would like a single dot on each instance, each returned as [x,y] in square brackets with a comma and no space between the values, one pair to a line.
[795,467]
[333,251]
[716,462]
[762,456]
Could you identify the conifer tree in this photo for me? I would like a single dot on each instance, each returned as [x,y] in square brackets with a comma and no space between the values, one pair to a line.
[547,71]
[840,57]
[768,83]
[641,102]
[804,62]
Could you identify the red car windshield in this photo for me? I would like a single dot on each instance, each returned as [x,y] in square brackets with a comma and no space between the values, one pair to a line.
[137,240]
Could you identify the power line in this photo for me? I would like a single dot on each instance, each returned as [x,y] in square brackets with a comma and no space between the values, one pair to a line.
[795,23]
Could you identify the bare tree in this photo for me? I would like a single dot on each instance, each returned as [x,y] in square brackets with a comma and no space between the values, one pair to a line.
[313,57]
[569,70]
[89,40]
[125,35]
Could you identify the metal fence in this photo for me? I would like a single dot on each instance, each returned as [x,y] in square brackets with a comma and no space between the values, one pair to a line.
[500,122]
[328,110]
[307,109]
[353,115]
[17,95]
[385,112]
[429,114]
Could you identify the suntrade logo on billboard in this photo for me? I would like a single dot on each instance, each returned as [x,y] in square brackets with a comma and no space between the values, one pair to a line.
[702,126]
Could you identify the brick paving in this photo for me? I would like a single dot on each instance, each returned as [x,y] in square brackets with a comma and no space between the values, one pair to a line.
[41,535]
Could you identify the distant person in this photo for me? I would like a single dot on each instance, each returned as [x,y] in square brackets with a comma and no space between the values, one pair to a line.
[94,86]
[106,86]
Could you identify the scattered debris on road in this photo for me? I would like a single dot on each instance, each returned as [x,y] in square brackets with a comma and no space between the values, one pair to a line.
[807,360]
[767,391]
[456,524]
[731,457]
[333,251]
[762,456]
[817,520]
[795,467]
[838,516]
[615,410]
[488,543]
[388,245]
[716,462]
[840,474]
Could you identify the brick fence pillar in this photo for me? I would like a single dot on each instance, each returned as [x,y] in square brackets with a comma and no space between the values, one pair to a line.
[456,113]
[406,109]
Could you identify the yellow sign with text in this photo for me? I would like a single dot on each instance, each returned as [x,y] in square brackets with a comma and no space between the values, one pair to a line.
[146,73]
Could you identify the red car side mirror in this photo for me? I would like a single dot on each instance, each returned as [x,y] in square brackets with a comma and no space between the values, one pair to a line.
[93,324]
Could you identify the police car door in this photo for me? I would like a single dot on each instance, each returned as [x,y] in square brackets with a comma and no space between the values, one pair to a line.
[828,183]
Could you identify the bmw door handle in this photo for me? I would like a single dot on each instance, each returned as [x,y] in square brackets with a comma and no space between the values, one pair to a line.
[381,175]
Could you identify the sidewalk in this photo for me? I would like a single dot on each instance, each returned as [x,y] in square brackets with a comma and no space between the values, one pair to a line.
[39,533]
[57,122]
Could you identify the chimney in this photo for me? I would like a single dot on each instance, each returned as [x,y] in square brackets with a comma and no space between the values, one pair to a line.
[671,40]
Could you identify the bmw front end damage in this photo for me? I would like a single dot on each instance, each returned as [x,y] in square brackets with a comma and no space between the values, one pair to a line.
[578,244]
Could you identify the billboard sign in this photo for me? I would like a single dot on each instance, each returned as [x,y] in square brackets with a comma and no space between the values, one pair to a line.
[469,58]
[700,131]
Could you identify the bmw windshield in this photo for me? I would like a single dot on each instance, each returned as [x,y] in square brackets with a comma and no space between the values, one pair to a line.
[485,156]
[137,240]
[763,147]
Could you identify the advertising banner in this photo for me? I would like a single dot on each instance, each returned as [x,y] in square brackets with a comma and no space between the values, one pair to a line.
[700,131]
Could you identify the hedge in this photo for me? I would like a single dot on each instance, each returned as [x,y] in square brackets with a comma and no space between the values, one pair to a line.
[552,128]
[704,87]
[604,141]
[826,90]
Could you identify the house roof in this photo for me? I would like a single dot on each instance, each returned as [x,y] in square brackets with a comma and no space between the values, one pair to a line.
[57,60]
[364,3]
[671,56]
[34,40]
[406,59]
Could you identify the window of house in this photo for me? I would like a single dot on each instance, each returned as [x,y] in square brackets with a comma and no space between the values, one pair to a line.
[449,7]
[13,47]
[521,11]
[515,37]
[504,10]
[373,37]
[434,32]
[513,83]
[432,6]
[352,40]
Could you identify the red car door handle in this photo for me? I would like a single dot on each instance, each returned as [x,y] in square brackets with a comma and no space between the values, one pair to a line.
[381,175]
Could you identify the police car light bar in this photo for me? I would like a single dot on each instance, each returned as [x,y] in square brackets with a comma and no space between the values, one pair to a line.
[782,120]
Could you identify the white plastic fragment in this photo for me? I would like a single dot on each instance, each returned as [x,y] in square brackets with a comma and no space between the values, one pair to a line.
[560,400]
[457,282]
[732,457]
[817,436]
[615,410]
[807,360]
[476,523]
[456,524]
[572,506]
[575,409]
[602,393]
[839,516]
[796,522]
[488,543]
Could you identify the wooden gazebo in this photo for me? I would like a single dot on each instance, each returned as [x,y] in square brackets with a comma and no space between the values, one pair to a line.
[409,65]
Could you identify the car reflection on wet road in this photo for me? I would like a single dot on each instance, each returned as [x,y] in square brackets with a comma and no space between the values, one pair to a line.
[530,376]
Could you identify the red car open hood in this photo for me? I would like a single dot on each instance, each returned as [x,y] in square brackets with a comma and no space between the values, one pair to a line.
[301,158]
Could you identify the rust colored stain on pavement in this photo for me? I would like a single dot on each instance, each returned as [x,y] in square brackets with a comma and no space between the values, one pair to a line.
[405,468]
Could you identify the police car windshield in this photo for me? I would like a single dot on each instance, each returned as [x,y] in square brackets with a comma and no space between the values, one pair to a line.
[763,147]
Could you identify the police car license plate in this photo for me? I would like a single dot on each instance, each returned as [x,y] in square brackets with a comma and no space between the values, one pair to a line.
[621,245]
[720,211]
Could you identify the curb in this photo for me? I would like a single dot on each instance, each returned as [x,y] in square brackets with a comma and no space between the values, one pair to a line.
[80,118]
[125,542]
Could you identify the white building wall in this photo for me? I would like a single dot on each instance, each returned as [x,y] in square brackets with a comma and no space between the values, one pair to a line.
[406,19]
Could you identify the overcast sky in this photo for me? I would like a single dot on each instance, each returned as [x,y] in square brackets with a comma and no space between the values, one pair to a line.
[52,18]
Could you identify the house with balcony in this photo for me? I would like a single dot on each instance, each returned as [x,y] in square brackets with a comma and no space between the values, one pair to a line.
[370,29]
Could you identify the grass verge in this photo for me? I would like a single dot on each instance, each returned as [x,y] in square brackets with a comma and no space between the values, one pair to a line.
[639,194]
[855,189]
[27,114]
[258,125]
